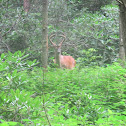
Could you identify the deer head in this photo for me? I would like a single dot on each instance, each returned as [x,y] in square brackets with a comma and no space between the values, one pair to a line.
[67,62]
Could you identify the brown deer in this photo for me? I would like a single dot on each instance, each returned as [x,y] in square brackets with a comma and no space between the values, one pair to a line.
[67,62]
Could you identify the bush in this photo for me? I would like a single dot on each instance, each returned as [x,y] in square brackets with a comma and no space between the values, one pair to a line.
[98,31]
[90,96]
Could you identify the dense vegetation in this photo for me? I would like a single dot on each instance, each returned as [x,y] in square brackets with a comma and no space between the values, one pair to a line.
[88,96]
[83,29]
[93,93]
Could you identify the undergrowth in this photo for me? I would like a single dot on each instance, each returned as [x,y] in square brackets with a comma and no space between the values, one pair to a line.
[79,97]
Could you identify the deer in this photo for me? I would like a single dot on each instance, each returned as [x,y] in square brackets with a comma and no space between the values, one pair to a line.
[67,62]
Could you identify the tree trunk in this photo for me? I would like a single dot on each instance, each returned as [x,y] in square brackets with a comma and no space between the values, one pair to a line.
[44,33]
[26,5]
[122,25]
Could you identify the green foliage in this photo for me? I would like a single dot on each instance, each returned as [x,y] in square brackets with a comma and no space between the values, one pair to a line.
[83,29]
[20,31]
[90,96]
[114,119]
[13,70]
[99,31]
[10,123]
[90,5]
[88,58]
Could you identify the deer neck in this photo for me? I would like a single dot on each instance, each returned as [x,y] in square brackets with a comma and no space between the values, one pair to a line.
[57,57]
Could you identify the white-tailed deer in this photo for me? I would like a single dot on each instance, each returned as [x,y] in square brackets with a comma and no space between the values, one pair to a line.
[67,62]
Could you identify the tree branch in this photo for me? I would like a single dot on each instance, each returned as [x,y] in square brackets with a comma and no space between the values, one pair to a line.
[119,1]
[11,27]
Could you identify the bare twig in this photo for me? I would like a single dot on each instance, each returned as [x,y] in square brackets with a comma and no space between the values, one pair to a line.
[119,1]
[11,27]
[44,99]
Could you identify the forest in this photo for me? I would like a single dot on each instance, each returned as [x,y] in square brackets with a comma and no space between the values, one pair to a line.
[62,62]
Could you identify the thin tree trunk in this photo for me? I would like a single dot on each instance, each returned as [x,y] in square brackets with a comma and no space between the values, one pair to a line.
[26,5]
[122,25]
[121,45]
[44,33]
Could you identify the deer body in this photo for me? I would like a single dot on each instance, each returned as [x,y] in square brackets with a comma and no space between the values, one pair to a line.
[67,62]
